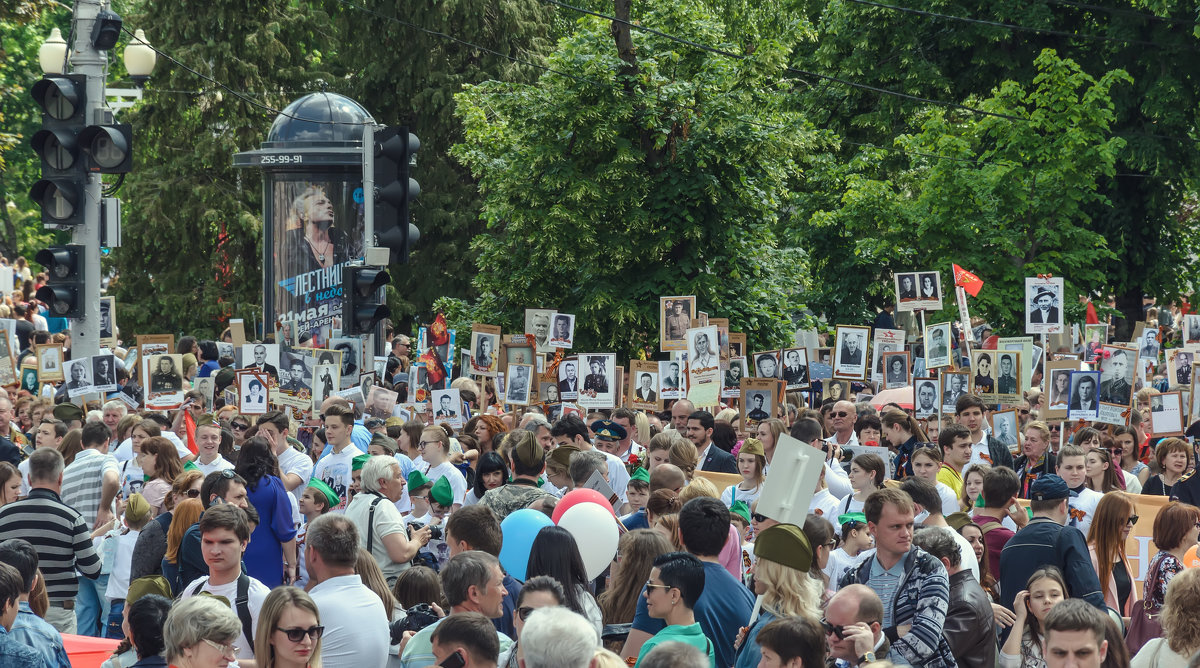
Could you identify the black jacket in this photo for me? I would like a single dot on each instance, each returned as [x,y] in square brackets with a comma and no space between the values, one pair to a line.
[719,461]
[968,626]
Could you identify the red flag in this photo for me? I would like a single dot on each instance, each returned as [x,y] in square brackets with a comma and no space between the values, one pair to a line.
[1091,318]
[439,333]
[967,281]
[190,425]
[435,370]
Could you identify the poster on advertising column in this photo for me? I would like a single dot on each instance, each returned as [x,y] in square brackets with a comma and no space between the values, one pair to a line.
[317,228]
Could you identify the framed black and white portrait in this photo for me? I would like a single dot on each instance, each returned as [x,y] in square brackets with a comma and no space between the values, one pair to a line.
[1043,305]
[926,398]
[850,353]
[766,364]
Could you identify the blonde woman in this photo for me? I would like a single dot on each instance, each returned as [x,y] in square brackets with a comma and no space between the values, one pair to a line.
[289,630]
[783,558]
[683,454]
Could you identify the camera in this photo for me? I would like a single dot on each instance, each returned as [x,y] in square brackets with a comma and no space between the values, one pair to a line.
[416,618]
[435,533]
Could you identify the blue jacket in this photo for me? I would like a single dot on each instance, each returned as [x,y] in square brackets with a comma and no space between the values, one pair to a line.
[40,636]
[1045,542]
[922,600]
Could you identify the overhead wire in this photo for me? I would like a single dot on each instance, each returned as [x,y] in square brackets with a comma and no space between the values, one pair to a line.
[1013,26]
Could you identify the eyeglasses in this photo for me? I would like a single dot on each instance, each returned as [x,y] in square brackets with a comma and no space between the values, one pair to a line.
[297,634]
[192,493]
[839,631]
[1024,412]
[225,650]
[650,585]
[238,427]
[1134,518]
[839,414]
[425,443]
[832,543]
[524,612]
[758,517]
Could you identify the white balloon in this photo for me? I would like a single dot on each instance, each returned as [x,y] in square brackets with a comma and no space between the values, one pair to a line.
[596,534]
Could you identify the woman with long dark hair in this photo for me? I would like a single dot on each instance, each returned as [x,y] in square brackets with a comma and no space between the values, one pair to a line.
[490,472]
[555,553]
[271,554]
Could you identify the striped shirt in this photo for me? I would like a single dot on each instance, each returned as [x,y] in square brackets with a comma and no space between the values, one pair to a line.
[58,533]
[83,482]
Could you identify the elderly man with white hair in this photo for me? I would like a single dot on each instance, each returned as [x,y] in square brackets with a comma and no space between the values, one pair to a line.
[555,637]
[381,528]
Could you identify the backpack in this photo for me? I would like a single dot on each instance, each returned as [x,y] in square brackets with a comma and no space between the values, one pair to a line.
[241,604]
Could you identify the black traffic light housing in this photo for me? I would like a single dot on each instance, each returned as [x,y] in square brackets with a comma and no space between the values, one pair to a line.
[361,308]
[394,191]
[63,293]
[109,148]
[60,193]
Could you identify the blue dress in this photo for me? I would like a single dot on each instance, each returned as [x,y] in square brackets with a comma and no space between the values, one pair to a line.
[264,554]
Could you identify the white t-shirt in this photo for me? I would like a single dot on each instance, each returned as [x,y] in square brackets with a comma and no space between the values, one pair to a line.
[23,467]
[1132,484]
[125,449]
[840,562]
[1085,503]
[256,594]
[218,464]
[356,624]
[950,502]
[334,470]
[618,476]
[849,504]
[734,493]
[387,522]
[458,484]
[825,505]
[133,478]
[980,454]
[118,578]
[294,461]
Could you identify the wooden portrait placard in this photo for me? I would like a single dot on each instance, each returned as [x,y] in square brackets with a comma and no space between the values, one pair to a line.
[759,399]
[643,391]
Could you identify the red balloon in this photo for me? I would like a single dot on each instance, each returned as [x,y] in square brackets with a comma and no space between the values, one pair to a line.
[578,496]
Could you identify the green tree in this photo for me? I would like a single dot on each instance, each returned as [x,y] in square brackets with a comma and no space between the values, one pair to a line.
[649,171]
[955,61]
[407,76]
[23,27]
[192,252]
[1005,199]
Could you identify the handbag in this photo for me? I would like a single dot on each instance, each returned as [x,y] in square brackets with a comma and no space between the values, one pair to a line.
[1143,623]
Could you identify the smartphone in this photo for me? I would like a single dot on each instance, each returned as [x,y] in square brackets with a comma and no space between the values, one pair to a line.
[455,660]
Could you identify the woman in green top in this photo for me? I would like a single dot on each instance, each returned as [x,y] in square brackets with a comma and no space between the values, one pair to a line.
[675,584]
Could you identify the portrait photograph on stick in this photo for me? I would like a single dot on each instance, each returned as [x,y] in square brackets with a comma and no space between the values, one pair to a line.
[675,318]
[926,398]
[850,352]
[1043,305]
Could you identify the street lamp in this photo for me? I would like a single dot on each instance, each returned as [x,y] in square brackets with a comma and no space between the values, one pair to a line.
[52,55]
[139,58]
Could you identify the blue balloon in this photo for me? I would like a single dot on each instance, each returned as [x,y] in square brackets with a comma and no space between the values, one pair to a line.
[519,529]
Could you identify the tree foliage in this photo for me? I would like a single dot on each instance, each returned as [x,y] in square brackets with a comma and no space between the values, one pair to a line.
[639,176]
[192,253]
[1006,199]
[407,76]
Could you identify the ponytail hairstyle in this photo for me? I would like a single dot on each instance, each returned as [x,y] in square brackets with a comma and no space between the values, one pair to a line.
[905,421]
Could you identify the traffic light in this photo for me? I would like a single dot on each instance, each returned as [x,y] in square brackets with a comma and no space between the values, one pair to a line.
[63,293]
[361,310]
[394,191]
[60,193]
[109,148]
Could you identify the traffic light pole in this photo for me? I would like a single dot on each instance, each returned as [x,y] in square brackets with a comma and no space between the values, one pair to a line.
[86,60]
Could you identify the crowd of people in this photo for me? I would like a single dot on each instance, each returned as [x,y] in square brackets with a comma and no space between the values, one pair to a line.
[204,537]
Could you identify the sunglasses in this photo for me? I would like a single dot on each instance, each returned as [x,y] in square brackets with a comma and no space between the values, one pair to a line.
[839,414]
[524,611]
[839,631]
[239,427]
[297,634]
[1133,519]
[192,493]
[758,517]
[228,474]
[651,585]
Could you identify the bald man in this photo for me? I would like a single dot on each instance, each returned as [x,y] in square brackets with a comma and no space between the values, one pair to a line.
[857,612]
[680,411]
